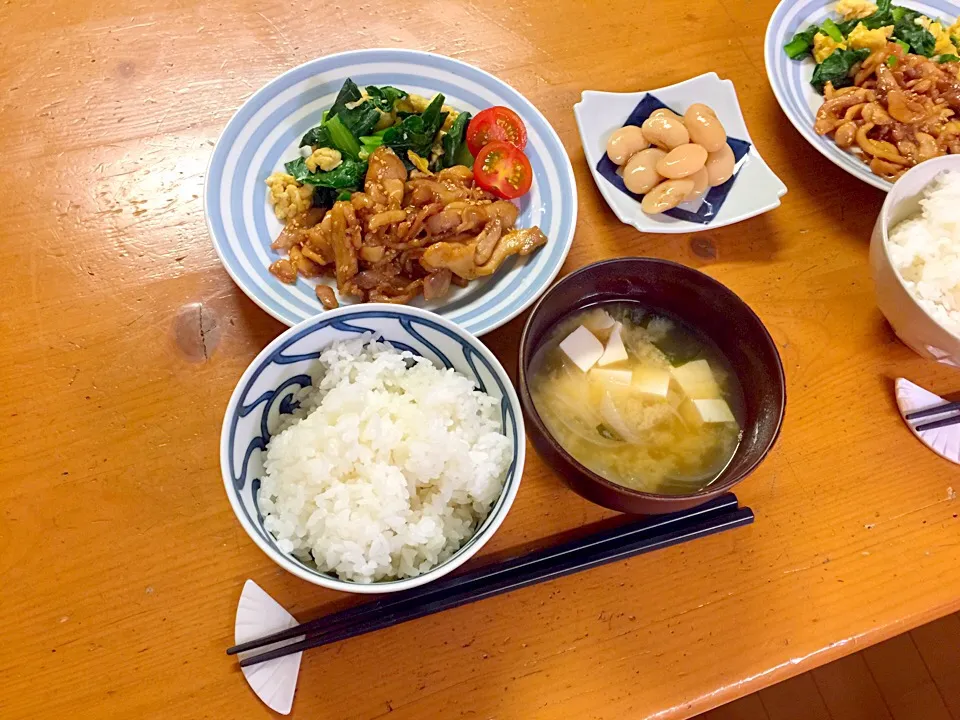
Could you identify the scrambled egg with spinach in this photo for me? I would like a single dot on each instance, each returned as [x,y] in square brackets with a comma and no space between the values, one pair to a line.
[324,158]
[824,46]
[424,133]
[287,197]
[862,37]
[855,9]
[840,46]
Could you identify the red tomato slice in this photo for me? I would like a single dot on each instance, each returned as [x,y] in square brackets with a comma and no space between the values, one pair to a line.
[503,169]
[496,123]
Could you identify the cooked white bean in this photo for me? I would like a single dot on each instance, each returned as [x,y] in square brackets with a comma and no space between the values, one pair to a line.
[704,127]
[625,143]
[720,165]
[665,130]
[666,196]
[700,107]
[682,161]
[664,111]
[701,183]
[640,173]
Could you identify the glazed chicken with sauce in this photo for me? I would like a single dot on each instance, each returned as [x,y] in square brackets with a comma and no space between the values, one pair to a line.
[404,235]
[901,110]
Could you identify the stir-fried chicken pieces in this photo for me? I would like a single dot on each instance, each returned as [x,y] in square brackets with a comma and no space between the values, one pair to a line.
[403,235]
[461,257]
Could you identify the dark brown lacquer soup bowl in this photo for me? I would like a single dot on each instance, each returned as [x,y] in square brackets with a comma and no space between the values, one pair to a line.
[706,305]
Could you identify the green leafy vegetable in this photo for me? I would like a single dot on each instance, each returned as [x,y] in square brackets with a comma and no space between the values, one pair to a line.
[348,94]
[348,175]
[802,43]
[948,58]
[847,26]
[342,139]
[344,195]
[836,68]
[829,27]
[369,143]
[360,119]
[434,117]
[901,43]
[384,98]
[416,132]
[297,168]
[899,13]
[893,61]
[463,156]
[920,40]
[456,140]
[881,18]
[318,137]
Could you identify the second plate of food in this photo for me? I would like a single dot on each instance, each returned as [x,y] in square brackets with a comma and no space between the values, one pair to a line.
[349,173]
[859,54]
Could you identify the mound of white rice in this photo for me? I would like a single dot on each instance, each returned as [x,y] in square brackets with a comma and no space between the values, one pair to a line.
[925,250]
[387,468]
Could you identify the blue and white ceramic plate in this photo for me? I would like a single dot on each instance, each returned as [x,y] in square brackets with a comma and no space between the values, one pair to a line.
[268,388]
[754,189]
[790,79]
[267,129]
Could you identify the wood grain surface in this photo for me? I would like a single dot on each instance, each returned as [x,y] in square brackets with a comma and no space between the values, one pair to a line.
[911,676]
[122,338]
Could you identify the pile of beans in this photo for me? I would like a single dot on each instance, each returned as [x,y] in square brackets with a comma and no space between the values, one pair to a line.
[671,159]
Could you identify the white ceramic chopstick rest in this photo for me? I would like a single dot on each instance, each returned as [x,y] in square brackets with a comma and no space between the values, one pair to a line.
[944,441]
[274,681]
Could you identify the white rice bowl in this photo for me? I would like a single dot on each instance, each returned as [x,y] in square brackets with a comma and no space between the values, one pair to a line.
[925,251]
[387,468]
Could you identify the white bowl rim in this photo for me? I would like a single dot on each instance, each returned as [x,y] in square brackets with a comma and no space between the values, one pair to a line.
[887,210]
[461,556]
[566,168]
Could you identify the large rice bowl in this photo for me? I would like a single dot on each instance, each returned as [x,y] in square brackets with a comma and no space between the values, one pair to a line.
[925,250]
[387,468]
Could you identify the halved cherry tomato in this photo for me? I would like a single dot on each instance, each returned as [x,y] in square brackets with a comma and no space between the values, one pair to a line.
[503,169]
[496,123]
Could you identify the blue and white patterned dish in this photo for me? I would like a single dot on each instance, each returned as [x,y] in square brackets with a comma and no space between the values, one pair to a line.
[289,363]
[754,189]
[790,79]
[267,129]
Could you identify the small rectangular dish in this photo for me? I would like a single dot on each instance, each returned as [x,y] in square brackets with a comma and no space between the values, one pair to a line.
[753,190]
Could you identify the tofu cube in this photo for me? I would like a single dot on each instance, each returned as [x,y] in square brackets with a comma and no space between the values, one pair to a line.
[612,377]
[599,322]
[583,348]
[700,412]
[697,381]
[652,381]
[615,351]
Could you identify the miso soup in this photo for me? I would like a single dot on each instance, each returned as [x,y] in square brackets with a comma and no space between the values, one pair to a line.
[639,397]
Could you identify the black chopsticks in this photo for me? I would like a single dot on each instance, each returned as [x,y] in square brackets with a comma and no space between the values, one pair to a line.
[952,407]
[606,546]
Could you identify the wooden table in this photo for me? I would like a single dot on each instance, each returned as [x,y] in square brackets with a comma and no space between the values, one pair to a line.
[122,338]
